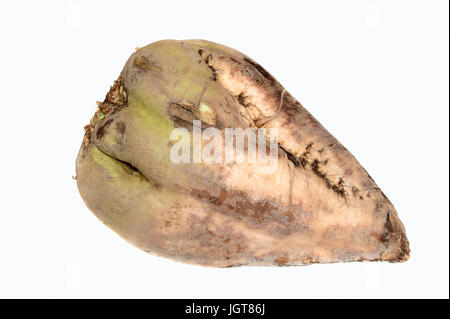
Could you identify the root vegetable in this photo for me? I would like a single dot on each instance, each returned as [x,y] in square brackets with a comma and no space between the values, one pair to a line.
[318,206]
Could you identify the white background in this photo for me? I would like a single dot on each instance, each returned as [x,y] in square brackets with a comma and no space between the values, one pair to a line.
[375,73]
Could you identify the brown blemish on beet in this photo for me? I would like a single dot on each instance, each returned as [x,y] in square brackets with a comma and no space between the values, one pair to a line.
[121,128]
[355,191]
[217,241]
[291,157]
[261,70]
[143,63]
[378,207]
[241,99]
[207,60]
[257,213]
[304,158]
[339,188]
[101,130]
[282,260]
[388,229]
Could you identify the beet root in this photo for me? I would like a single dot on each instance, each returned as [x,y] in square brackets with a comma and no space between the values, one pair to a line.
[318,206]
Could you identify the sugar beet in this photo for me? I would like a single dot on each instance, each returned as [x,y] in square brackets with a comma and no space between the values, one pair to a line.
[319,206]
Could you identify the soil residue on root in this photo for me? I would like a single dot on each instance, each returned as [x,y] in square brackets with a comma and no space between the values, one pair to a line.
[116,99]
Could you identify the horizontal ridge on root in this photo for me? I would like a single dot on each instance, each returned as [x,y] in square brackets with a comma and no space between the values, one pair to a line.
[128,165]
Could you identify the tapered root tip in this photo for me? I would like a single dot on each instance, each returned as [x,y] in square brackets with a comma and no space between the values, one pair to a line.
[395,240]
